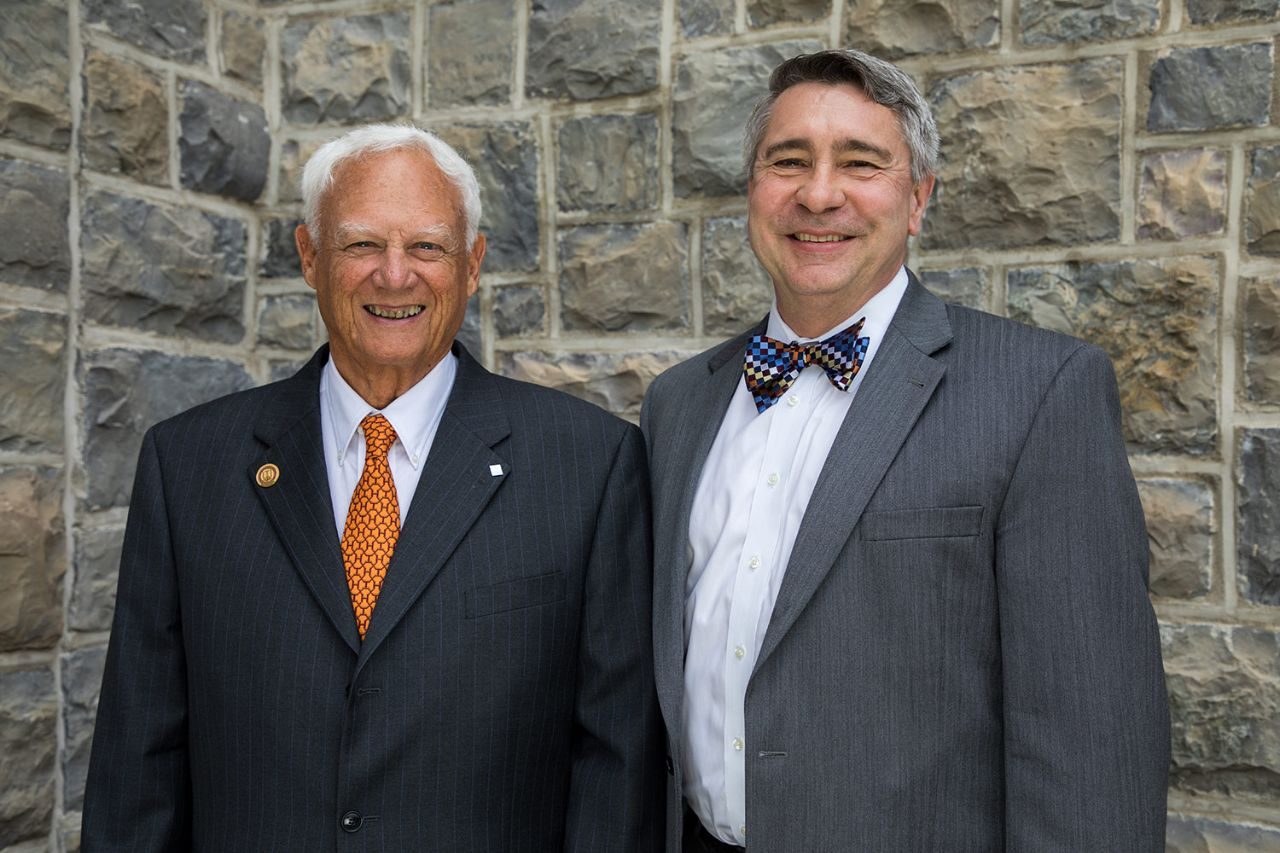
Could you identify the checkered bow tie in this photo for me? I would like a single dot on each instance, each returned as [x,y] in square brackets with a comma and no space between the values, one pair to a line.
[772,366]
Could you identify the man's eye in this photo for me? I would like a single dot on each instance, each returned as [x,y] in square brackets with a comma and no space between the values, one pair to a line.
[428,247]
[361,244]
[789,163]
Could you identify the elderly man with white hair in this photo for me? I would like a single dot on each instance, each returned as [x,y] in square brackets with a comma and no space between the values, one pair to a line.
[394,602]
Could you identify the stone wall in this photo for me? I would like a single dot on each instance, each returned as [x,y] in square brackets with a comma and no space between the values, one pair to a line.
[1110,169]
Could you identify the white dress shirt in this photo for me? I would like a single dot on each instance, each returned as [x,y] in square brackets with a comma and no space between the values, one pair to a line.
[752,495]
[414,415]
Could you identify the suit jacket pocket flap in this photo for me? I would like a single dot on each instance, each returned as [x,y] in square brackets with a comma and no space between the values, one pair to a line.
[928,523]
[515,594]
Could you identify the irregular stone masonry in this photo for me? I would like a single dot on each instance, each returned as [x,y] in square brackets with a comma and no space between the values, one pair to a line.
[1110,168]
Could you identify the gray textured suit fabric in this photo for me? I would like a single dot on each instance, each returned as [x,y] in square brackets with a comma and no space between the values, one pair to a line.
[962,656]
[502,699]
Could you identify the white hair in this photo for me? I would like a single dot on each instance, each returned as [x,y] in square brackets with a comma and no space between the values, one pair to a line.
[317,176]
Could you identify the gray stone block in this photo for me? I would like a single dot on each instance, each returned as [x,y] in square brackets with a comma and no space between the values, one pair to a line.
[469,335]
[1257,508]
[505,158]
[470,52]
[244,47]
[173,29]
[1262,202]
[1231,11]
[706,17]
[608,162]
[713,96]
[162,269]
[349,70]
[1224,701]
[892,29]
[1205,88]
[1158,320]
[763,13]
[624,278]
[35,68]
[1180,531]
[1182,194]
[968,286]
[32,557]
[97,560]
[519,311]
[28,751]
[1061,21]
[293,156]
[222,143]
[32,384]
[81,683]
[284,368]
[736,291]
[126,392]
[1260,326]
[1186,834]
[585,49]
[34,204]
[613,381]
[287,321]
[1030,155]
[280,249]
[125,127]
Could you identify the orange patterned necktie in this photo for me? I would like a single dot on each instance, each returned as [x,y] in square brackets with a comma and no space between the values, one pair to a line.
[373,521]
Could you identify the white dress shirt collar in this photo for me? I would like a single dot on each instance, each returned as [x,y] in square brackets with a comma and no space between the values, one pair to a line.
[414,415]
[878,311]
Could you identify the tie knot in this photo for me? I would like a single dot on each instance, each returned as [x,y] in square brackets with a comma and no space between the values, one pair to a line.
[379,435]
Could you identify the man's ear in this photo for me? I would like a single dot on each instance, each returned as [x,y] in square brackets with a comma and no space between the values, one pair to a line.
[474,258]
[307,252]
[919,201]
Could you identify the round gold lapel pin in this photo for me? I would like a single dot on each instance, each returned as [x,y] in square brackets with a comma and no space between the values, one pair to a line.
[268,475]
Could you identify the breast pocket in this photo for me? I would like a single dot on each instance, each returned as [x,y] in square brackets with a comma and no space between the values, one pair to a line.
[937,522]
[515,594]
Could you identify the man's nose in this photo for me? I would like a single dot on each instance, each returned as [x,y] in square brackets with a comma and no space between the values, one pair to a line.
[394,269]
[821,190]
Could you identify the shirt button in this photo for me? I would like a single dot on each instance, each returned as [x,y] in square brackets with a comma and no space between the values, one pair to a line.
[793,401]
[737,744]
[742,830]
[351,822]
[739,652]
[754,562]
[772,480]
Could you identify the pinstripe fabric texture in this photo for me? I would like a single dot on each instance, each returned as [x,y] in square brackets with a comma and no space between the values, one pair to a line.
[502,699]
[962,656]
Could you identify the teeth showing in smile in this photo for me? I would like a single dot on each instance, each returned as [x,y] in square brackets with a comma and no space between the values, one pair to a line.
[394,313]
[823,238]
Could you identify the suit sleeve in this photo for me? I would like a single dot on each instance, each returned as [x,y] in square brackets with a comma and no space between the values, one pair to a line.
[1086,725]
[138,792]
[617,779]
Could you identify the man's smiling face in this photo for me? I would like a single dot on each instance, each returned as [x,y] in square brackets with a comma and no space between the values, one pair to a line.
[831,202]
[391,269]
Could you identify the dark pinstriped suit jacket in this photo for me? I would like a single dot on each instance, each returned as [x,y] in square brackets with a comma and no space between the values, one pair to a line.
[502,699]
[962,656]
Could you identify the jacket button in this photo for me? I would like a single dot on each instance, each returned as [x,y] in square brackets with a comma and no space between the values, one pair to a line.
[351,822]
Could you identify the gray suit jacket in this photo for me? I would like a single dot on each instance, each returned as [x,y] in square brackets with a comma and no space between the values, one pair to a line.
[962,656]
[502,699]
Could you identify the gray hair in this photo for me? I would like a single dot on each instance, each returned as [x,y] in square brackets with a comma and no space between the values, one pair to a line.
[317,176]
[884,83]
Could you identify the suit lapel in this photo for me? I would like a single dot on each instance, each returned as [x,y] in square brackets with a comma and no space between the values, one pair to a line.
[897,386]
[687,445]
[456,484]
[298,503]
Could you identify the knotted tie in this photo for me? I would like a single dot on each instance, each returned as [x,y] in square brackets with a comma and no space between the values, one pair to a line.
[772,366]
[373,521]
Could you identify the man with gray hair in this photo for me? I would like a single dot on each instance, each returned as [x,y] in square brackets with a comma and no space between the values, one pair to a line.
[394,602]
[900,597]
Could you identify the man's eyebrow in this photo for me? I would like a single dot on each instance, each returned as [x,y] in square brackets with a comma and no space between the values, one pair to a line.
[347,230]
[861,146]
[786,145]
